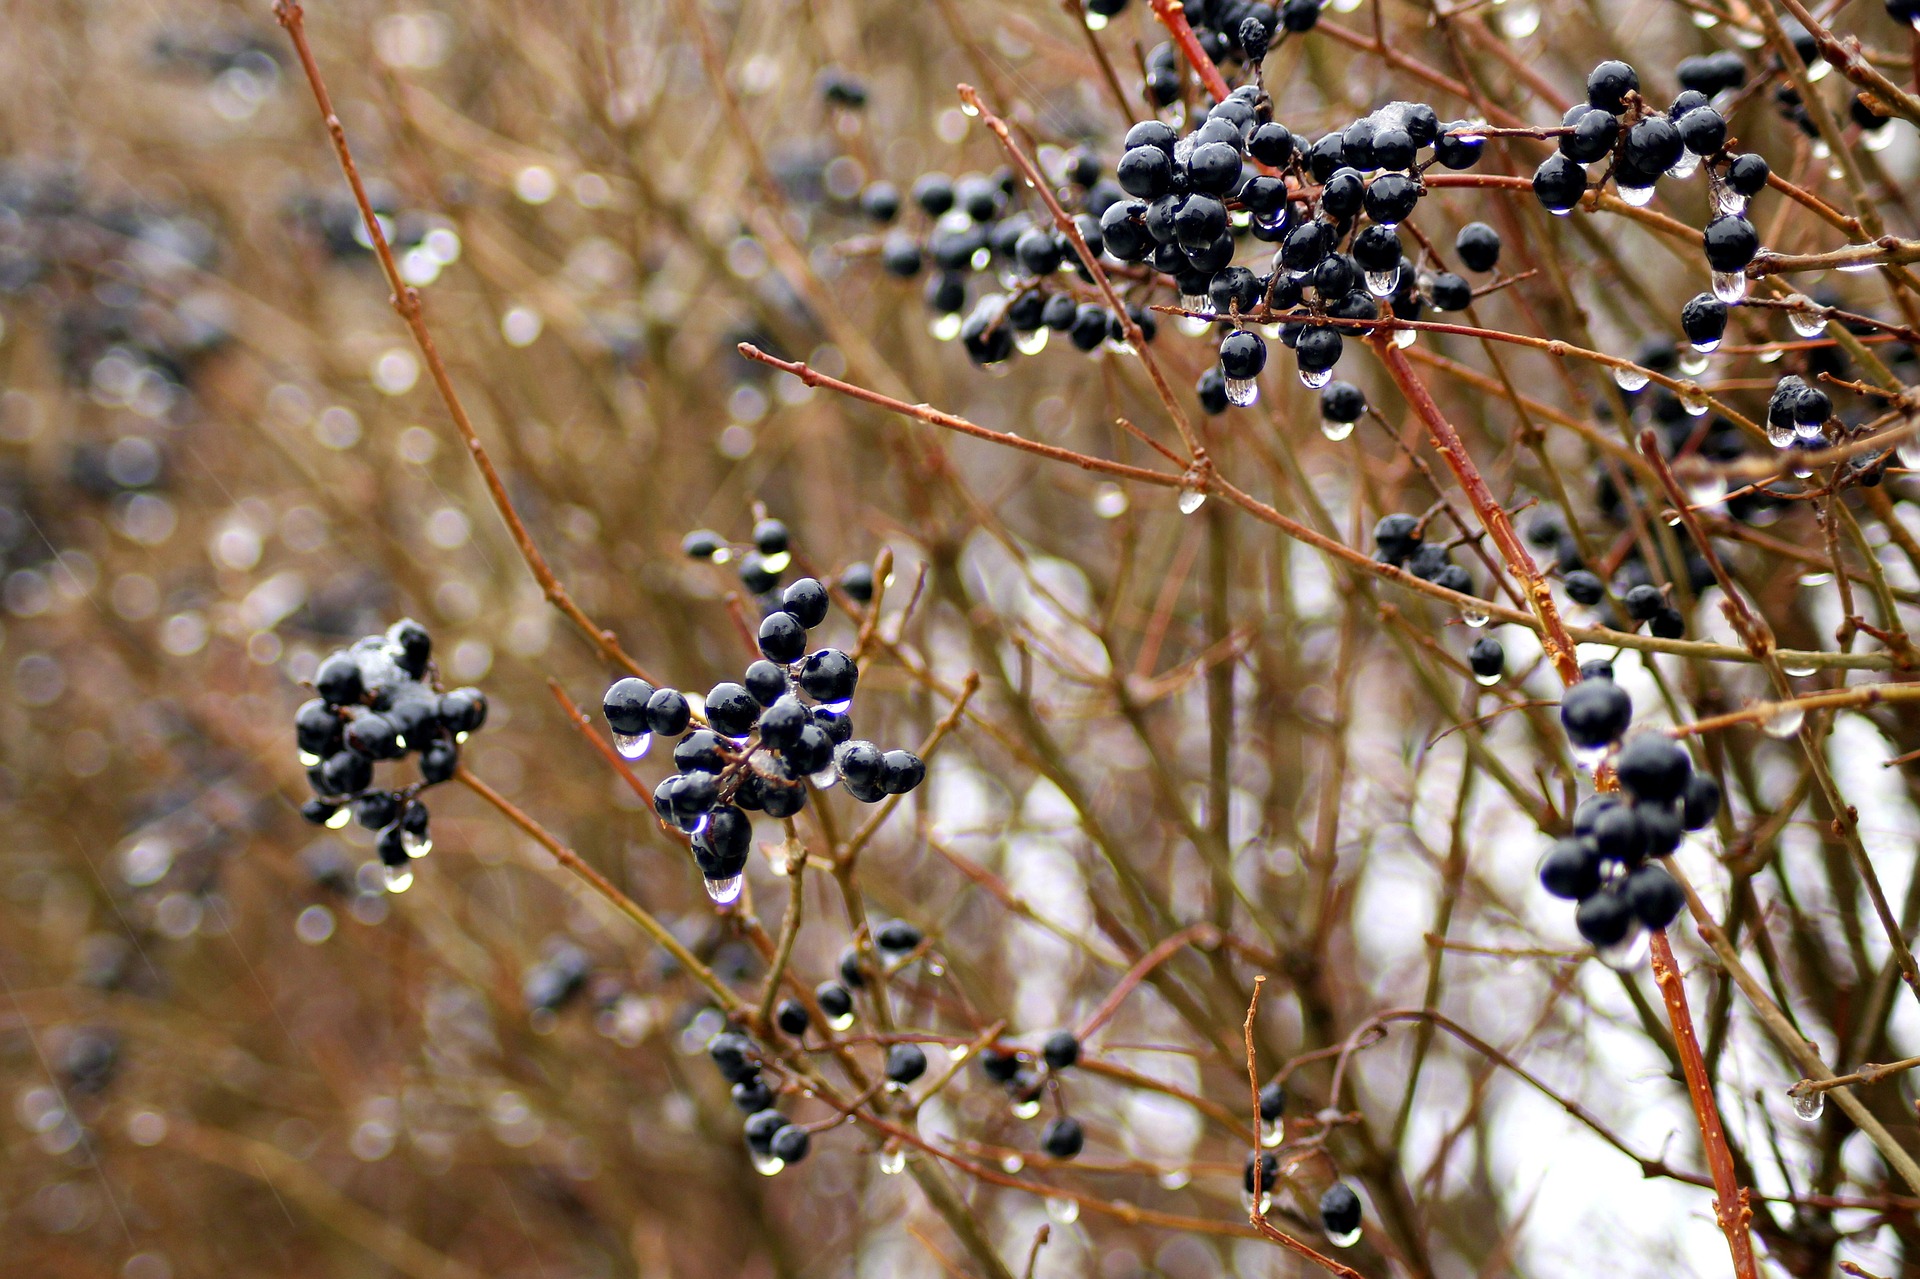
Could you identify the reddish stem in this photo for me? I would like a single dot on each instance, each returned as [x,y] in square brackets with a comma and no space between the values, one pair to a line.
[1173,17]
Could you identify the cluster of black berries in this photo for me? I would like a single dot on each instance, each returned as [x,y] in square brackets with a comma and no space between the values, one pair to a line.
[1228,30]
[1399,539]
[759,743]
[1025,1076]
[1610,862]
[1640,144]
[110,272]
[378,700]
[772,1142]
[769,555]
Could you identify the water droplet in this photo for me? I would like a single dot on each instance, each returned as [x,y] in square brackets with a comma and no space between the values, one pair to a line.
[1271,223]
[945,328]
[1704,20]
[724,891]
[1026,1109]
[1032,343]
[1096,21]
[1191,500]
[1063,1210]
[632,745]
[1475,616]
[1770,355]
[1805,319]
[893,1160]
[1694,363]
[777,562]
[1781,437]
[1199,303]
[1192,325]
[340,818]
[825,777]
[1266,1201]
[1175,1179]
[1784,722]
[1710,491]
[1519,20]
[1629,378]
[1588,758]
[840,706]
[1335,431]
[1627,952]
[958,1052]
[1703,348]
[1815,579]
[1404,338]
[399,879]
[1730,286]
[967,108]
[1685,167]
[1809,1106]
[1345,1240]
[894,1087]
[766,1165]
[1272,1133]
[1728,202]
[1799,670]
[1819,71]
[1242,391]
[1382,283]
[841,1022]
[1012,1164]
[1314,379]
[1487,681]
[308,759]
[416,845]
[1693,400]
[1810,434]
[1638,197]
[1878,139]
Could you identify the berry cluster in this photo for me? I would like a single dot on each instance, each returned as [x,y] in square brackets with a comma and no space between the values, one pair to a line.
[760,743]
[379,700]
[1609,864]
[1027,1076]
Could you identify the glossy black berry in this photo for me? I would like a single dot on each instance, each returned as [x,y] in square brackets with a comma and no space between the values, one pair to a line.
[1653,145]
[668,712]
[901,771]
[700,751]
[897,935]
[1457,146]
[1584,587]
[790,1144]
[1702,130]
[1559,183]
[1089,326]
[1061,1050]
[319,811]
[999,1065]
[1653,896]
[791,1016]
[1486,658]
[752,1095]
[1604,919]
[732,1056]
[1342,402]
[1144,171]
[1267,1166]
[805,599]
[1653,767]
[731,709]
[625,706]
[761,1127]
[701,544]
[317,728]
[1700,801]
[1063,1137]
[1273,1101]
[1300,15]
[767,681]
[1571,869]
[1449,292]
[1619,835]
[1478,247]
[1730,242]
[377,809]
[1397,537]
[906,1063]
[857,581]
[1748,174]
[1595,713]
[1704,320]
[1318,350]
[413,647]
[1305,245]
[1211,389]
[463,710]
[1643,601]
[1242,355]
[1271,144]
[1593,135]
[829,676]
[1339,1210]
[338,680]
[833,999]
[1609,84]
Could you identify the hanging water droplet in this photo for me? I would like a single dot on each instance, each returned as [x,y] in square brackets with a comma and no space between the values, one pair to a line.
[841,1022]
[1313,379]
[1271,223]
[1242,391]
[1382,283]
[777,562]
[1809,1106]
[1192,325]
[308,759]
[1063,1210]
[416,846]
[1770,355]
[1638,197]
[1704,20]
[1810,434]
[1335,431]
[1693,363]
[1404,338]
[1475,616]
[958,1052]
[1199,303]
[1629,378]
[1807,321]
[1781,437]
[1799,670]
[724,891]
[1785,721]
[1685,167]
[1266,1201]
[1625,953]
[766,1165]
[893,1160]
[1693,400]
[1729,202]
[1588,758]
[1346,1239]
[1012,1164]
[945,328]
[632,745]
[1878,139]
[1032,343]
[825,777]
[1026,1109]
[1818,71]
[340,818]
[967,108]
[1730,286]
[1488,681]
[1096,21]
[1702,348]
[1191,500]
[399,879]
[1175,1179]
[1272,1132]
[1707,492]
